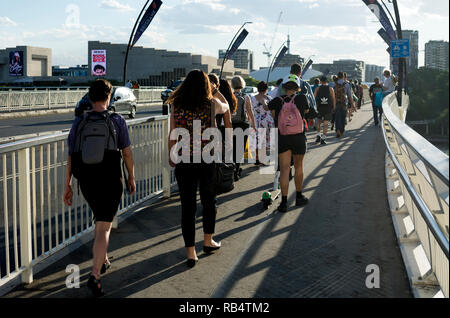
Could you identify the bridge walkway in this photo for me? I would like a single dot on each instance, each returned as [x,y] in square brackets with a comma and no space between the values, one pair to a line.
[321,250]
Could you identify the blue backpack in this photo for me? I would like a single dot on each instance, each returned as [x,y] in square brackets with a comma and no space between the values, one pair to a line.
[378,102]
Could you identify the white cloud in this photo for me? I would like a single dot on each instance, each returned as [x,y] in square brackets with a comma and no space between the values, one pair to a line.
[115,5]
[5,21]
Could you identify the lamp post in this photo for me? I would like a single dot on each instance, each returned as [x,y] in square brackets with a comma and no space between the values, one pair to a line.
[229,47]
[129,43]
[402,64]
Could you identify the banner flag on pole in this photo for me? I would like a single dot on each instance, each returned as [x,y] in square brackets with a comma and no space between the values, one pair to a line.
[307,66]
[280,56]
[382,32]
[146,20]
[236,44]
[379,12]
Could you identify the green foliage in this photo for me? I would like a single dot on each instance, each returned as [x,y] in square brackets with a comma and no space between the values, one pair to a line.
[250,81]
[429,95]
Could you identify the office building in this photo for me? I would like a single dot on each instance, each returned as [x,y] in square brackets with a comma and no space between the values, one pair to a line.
[436,55]
[412,61]
[373,71]
[23,63]
[243,59]
[149,66]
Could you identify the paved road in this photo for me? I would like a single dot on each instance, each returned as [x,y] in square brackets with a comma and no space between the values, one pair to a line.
[55,122]
[321,250]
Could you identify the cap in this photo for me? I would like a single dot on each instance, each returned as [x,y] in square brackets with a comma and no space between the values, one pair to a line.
[292,78]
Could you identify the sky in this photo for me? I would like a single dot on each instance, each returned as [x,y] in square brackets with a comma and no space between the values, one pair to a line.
[328,30]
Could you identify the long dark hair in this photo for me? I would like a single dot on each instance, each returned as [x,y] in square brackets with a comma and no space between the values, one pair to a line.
[194,92]
[227,92]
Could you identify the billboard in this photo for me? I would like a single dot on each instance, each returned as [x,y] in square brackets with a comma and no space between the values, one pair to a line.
[237,44]
[16,63]
[98,62]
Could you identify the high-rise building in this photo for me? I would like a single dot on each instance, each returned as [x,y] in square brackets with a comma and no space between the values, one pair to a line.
[290,59]
[436,55]
[242,59]
[373,71]
[412,62]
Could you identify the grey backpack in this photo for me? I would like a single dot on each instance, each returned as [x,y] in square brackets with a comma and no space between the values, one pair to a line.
[95,135]
[240,116]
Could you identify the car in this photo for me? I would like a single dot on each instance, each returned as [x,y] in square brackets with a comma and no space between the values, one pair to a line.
[250,90]
[123,101]
[170,89]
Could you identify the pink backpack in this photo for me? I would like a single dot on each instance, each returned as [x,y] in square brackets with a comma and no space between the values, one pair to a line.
[290,121]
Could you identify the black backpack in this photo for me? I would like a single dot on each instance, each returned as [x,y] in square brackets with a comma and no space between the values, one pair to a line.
[324,98]
[96,151]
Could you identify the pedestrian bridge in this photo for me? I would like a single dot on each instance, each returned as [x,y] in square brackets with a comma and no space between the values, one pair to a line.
[377,224]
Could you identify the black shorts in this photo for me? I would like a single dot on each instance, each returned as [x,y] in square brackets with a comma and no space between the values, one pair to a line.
[324,113]
[103,197]
[295,143]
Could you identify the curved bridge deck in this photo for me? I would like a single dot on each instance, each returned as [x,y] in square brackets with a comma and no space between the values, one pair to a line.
[322,250]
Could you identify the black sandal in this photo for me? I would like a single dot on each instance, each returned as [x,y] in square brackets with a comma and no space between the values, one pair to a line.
[105,267]
[95,286]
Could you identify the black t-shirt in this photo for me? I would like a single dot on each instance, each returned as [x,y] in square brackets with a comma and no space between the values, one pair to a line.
[300,101]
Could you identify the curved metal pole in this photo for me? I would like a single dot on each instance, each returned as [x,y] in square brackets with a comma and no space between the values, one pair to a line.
[229,47]
[129,43]
[273,61]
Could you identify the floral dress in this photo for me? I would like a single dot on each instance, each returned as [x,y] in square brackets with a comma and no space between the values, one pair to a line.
[263,119]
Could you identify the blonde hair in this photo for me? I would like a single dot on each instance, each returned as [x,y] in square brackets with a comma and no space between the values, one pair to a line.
[238,82]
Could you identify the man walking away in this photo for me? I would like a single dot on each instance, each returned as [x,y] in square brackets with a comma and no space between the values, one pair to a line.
[377,109]
[326,106]
[343,93]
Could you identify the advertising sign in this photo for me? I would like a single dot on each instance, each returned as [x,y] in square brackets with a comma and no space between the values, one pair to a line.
[16,63]
[280,56]
[98,63]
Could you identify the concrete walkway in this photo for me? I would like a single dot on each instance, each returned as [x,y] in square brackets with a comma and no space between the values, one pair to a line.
[321,250]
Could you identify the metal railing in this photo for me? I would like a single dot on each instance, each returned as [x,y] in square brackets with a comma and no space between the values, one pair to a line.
[13,100]
[421,172]
[35,223]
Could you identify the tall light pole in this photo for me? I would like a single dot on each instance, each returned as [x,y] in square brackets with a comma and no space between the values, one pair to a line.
[229,47]
[129,44]
[402,64]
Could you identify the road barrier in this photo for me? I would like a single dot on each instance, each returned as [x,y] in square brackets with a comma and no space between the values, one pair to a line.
[35,223]
[13,100]
[417,179]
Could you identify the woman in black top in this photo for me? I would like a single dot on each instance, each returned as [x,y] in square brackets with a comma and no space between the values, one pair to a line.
[290,145]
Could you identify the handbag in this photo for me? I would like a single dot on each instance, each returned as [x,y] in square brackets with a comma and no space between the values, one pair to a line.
[223,180]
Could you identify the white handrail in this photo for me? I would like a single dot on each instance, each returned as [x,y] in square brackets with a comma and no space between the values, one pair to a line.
[34,170]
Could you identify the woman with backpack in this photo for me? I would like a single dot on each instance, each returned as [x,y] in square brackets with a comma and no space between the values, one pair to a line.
[289,112]
[96,142]
[193,101]
[242,118]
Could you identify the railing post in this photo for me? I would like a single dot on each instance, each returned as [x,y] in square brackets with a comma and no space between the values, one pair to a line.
[8,101]
[26,255]
[166,173]
[48,98]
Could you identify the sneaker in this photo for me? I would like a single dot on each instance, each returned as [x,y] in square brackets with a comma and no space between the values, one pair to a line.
[282,208]
[301,201]
[322,142]
[318,139]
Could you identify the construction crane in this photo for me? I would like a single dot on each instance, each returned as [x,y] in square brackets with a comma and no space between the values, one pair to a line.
[268,50]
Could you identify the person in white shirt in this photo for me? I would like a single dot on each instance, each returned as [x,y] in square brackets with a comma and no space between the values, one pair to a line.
[388,84]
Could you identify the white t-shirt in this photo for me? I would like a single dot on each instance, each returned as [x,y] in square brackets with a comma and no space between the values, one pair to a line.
[388,85]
